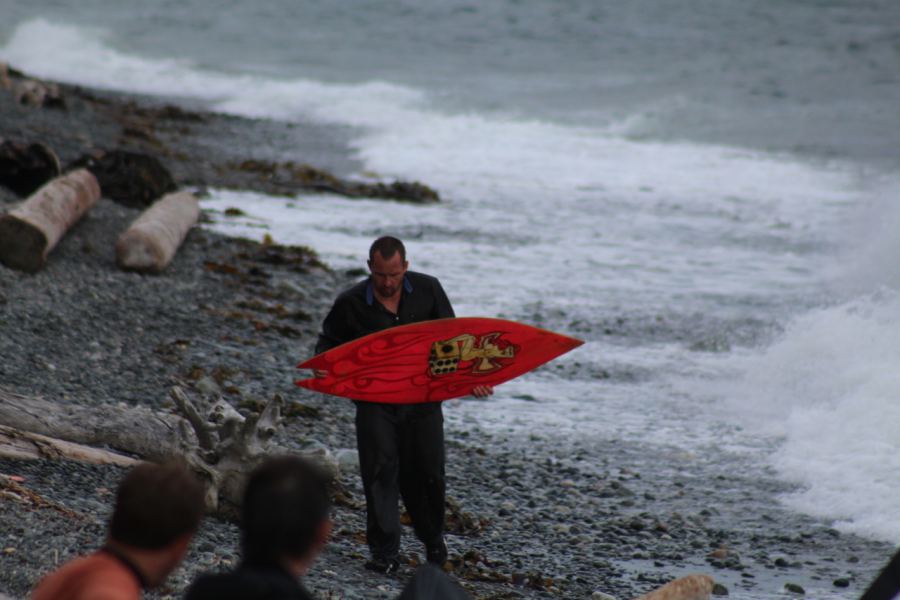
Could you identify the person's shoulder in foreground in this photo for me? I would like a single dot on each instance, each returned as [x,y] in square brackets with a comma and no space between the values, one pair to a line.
[157,510]
[98,576]
[248,583]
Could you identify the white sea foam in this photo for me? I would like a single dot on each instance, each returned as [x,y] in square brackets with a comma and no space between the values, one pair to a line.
[828,387]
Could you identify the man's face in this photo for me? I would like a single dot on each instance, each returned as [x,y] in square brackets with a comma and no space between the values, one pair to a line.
[387,274]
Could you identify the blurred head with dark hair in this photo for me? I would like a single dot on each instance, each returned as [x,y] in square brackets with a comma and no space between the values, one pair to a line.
[285,514]
[387,246]
[158,509]
[156,505]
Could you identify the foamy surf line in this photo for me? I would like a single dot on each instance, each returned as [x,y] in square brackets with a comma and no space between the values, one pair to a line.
[826,393]
[404,135]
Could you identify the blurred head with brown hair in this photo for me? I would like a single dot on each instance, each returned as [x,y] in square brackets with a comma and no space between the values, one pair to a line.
[158,509]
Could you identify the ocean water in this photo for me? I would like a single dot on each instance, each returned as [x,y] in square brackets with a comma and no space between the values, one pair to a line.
[705,192]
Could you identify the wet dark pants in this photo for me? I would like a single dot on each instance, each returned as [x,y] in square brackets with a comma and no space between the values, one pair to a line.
[401,454]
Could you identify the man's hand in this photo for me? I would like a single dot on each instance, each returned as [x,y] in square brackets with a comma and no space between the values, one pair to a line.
[482,391]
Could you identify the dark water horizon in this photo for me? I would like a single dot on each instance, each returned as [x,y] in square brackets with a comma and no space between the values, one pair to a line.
[819,78]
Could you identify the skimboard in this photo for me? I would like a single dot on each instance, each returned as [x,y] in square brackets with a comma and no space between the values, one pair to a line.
[434,360]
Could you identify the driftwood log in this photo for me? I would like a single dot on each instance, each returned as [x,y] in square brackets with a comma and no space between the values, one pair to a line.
[30,231]
[218,442]
[131,429]
[150,243]
[691,587]
[15,443]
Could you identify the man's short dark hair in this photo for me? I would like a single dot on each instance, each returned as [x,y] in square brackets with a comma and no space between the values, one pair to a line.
[155,505]
[387,246]
[285,502]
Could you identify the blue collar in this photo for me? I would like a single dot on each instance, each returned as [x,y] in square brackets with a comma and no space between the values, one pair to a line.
[370,290]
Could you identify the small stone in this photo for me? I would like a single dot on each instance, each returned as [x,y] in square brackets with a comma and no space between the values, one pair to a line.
[601,596]
[348,460]
[719,590]
[793,588]
[841,582]
[207,386]
[9,550]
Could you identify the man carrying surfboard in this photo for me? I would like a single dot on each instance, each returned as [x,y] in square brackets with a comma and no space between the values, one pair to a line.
[401,446]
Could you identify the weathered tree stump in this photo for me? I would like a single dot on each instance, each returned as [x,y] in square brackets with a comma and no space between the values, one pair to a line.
[691,587]
[150,243]
[228,446]
[29,232]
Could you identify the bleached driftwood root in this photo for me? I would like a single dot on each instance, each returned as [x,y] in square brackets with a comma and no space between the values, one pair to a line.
[150,243]
[228,445]
[218,442]
[30,231]
[691,587]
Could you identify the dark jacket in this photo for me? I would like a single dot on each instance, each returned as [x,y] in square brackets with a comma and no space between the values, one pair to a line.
[248,583]
[357,312]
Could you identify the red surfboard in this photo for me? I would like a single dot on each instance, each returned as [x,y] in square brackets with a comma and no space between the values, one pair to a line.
[434,360]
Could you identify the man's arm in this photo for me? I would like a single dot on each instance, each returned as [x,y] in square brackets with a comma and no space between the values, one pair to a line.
[442,307]
[336,327]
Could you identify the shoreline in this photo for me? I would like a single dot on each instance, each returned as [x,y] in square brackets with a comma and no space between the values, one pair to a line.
[549,518]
